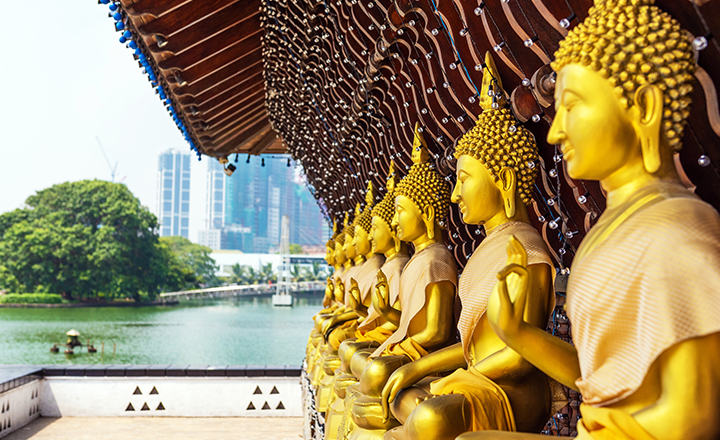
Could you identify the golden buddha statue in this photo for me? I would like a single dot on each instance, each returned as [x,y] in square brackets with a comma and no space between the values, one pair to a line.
[317,352]
[642,295]
[492,386]
[427,287]
[376,327]
[361,280]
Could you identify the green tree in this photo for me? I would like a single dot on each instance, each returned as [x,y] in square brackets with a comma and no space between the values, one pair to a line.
[243,275]
[266,274]
[81,239]
[296,249]
[196,257]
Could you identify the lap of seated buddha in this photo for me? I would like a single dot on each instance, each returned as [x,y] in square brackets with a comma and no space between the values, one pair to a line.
[428,416]
[349,347]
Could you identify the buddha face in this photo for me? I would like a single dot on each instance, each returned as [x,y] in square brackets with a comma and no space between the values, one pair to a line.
[595,133]
[361,241]
[330,255]
[381,236]
[340,257]
[408,222]
[475,192]
[349,247]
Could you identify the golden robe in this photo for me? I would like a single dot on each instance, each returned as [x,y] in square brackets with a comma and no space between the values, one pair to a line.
[490,406]
[369,330]
[431,265]
[645,278]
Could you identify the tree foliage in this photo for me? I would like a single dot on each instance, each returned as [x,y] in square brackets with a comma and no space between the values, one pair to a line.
[192,258]
[90,239]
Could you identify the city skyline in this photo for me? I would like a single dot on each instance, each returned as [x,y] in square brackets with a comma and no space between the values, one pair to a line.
[244,211]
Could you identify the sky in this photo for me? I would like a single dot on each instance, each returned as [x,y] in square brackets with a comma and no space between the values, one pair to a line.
[66,79]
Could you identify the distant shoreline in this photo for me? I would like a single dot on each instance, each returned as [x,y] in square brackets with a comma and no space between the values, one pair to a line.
[85,305]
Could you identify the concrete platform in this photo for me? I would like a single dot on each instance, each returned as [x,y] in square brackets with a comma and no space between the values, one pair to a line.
[112,428]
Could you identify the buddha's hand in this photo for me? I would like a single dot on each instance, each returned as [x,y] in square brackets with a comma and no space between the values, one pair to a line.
[510,293]
[354,297]
[404,377]
[382,293]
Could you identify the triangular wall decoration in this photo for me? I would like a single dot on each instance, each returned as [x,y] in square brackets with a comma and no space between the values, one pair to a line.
[130,407]
[266,406]
[274,391]
[251,406]
[280,405]
[160,407]
[145,407]
[257,390]
[154,391]
[137,391]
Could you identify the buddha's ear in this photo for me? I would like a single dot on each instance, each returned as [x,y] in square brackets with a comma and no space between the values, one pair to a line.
[649,103]
[428,217]
[507,184]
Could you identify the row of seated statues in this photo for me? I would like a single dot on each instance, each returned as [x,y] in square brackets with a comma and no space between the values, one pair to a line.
[643,296]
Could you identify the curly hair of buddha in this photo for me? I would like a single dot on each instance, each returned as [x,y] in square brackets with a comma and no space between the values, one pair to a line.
[425,187]
[340,239]
[364,220]
[496,145]
[385,209]
[632,43]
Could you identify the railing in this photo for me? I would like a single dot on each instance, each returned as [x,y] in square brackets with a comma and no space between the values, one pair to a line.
[231,291]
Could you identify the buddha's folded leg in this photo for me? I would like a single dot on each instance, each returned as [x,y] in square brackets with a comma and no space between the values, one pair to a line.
[359,361]
[439,418]
[409,398]
[376,374]
[503,435]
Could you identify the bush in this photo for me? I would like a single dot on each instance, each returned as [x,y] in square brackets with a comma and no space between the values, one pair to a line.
[31,298]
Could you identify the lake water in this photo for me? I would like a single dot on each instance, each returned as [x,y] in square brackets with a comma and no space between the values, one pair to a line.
[242,331]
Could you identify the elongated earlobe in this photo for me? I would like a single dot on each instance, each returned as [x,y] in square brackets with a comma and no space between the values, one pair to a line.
[507,190]
[649,102]
[428,218]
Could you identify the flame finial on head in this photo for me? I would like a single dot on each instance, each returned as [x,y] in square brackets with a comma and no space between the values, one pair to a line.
[420,152]
[492,94]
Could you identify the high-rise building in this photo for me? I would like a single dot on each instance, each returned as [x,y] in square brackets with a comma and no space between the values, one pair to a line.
[255,199]
[173,193]
[215,200]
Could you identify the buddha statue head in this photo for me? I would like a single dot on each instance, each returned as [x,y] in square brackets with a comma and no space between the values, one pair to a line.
[622,95]
[363,223]
[494,174]
[340,257]
[421,198]
[383,236]
[330,246]
[349,232]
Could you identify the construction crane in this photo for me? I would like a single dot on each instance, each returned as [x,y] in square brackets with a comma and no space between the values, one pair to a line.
[112,168]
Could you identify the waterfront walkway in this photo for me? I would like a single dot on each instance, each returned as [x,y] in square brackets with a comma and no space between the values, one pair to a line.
[165,428]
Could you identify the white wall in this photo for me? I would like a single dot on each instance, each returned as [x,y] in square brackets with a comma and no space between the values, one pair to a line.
[20,406]
[63,396]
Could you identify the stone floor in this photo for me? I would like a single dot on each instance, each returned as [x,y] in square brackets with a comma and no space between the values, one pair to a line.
[165,428]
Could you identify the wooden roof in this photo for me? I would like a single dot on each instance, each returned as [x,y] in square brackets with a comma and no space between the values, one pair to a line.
[208,54]
[343,82]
